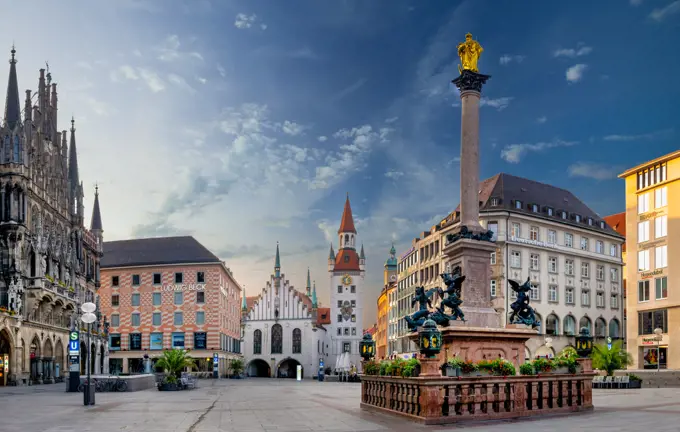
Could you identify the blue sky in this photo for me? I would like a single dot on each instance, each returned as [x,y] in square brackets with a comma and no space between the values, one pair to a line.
[246,122]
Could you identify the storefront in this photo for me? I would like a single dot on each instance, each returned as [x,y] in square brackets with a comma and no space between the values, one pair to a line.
[653,353]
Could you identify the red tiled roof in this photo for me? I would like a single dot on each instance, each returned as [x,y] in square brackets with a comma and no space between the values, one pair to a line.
[323,316]
[250,301]
[347,260]
[618,223]
[347,221]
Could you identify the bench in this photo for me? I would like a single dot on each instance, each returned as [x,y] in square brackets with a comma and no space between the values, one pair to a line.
[188,381]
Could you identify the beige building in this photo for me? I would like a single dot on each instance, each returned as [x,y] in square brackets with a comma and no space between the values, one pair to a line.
[572,257]
[652,243]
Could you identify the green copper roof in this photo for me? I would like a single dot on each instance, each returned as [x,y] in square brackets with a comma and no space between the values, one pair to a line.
[314,303]
[332,254]
[277,263]
[392,260]
[244,305]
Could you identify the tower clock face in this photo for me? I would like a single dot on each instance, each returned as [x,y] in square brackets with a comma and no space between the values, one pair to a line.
[393,278]
[347,280]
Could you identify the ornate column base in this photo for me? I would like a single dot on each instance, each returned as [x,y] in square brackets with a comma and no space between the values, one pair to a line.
[429,368]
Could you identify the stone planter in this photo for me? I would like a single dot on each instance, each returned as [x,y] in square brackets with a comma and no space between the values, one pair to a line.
[450,371]
[636,384]
[169,387]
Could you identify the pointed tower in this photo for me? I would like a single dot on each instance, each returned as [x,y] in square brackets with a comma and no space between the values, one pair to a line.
[96,221]
[73,178]
[277,263]
[244,307]
[347,258]
[309,284]
[315,305]
[12,104]
[331,259]
[391,265]
[362,259]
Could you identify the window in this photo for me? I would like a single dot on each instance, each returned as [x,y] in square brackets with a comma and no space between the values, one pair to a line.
[134,299]
[577,218]
[354,318]
[552,264]
[549,211]
[135,341]
[600,272]
[339,303]
[115,300]
[516,259]
[599,247]
[534,233]
[156,299]
[585,270]
[493,258]
[178,340]
[552,236]
[347,347]
[661,226]
[200,340]
[340,318]
[650,320]
[339,331]
[518,205]
[661,257]
[643,203]
[200,277]
[200,297]
[257,342]
[516,230]
[200,317]
[568,240]
[584,243]
[661,197]
[491,226]
[569,267]
[494,202]
[535,291]
[643,260]
[135,280]
[115,280]
[569,325]
[353,289]
[346,331]
[661,287]
[353,303]
[533,263]
[156,341]
[614,301]
[590,221]
[552,293]
[156,278]
[534,208]
[643,231]
[179,278]
[354,331]
[599,299]
[277,339]
[585,297]
[339,289]
[114,342]
[493,288]
[178,297]
[178,319]
[297,341]
[134,319]
[612,250]
[563,214]
[569,296]
[115,320]
[156,319]
[643,291]
[614,274]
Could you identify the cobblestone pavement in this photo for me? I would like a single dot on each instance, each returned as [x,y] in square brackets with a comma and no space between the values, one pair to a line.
[285,405]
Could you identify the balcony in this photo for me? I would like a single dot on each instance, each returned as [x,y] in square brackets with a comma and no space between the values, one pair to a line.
[44,284]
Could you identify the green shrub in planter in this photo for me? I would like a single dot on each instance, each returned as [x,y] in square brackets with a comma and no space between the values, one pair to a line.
[503,367]
[526,369]
[411,368]
[542,365]
[371,368]
[468,367]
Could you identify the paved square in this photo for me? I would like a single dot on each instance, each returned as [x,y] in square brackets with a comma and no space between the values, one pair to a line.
[286,405]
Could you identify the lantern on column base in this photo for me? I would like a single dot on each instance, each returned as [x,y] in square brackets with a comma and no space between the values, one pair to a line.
[367,347]
[430,339]
[584,343]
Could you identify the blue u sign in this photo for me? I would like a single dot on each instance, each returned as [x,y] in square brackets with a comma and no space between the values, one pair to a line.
[74,342]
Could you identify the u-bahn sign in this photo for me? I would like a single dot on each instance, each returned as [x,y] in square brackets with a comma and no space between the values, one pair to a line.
[74,343]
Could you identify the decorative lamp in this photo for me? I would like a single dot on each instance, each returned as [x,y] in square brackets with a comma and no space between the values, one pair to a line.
[430,339]
[584,343]
[367,347]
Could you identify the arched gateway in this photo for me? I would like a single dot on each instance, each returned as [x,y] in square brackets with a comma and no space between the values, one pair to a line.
[258,368]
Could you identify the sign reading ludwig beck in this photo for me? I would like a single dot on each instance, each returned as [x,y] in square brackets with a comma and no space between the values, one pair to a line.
[184,287]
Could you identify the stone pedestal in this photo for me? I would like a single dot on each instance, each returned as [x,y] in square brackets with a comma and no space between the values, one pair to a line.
[429,367]
[474,259]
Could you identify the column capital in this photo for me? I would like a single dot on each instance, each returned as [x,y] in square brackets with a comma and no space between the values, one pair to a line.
[470,81]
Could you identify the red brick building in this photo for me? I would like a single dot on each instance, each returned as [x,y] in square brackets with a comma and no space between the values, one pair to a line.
[163,293]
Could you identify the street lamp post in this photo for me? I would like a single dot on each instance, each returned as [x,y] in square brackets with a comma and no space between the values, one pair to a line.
[658,336]
[88,318]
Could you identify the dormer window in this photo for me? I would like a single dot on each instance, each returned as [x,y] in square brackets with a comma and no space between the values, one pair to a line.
[534,208]
[602,224]
[518,205]
[563,215]
[577,218]
[494,202]
[549,211]
[590,221]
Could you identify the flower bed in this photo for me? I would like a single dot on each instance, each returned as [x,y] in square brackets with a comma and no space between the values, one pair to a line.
[465,368]
[560,365]
[396,368]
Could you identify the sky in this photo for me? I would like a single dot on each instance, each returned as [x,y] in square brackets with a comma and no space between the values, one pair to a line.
[244,123]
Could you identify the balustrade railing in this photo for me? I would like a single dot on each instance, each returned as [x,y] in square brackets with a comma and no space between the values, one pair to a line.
[56,321]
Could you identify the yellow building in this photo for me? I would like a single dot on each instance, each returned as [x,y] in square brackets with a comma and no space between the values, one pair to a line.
[652,242]
[383,324]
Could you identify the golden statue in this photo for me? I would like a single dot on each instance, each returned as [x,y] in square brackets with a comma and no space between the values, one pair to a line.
[469,53]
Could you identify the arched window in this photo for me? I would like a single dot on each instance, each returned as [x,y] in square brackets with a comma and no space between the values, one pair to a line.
[17,152]
[569,325]
[552,325]
[614,329]
[277,339]
[346,240]
[585,322]
[7,150]
[257,342]
[541,327]
[600,328]
[297,341]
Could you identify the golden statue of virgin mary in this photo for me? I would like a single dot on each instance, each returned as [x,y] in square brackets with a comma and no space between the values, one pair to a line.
[469,53]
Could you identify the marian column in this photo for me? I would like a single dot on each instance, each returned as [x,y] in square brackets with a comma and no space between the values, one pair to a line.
[470,246]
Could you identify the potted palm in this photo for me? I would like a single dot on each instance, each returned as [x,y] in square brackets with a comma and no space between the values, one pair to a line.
[236,366]
[173,362]
[634,381]
[610,359]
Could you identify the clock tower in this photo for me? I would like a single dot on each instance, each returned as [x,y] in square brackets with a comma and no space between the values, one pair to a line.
[346,270]
[391,267]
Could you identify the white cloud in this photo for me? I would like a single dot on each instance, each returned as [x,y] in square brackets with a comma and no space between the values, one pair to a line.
[513,153]
[245,21]
[221,71]
[593,170]
[180,82]
[660,134]
[507,59]
[322,138]
[575,73]
[660,14]
[391,120]
[573,52]
[394,175]
[171,50]
[292,128]
[98,107]
[152,80]
[542,119]
[499,103]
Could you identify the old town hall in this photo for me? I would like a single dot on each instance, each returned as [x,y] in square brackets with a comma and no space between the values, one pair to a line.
[285,328]
[49,261]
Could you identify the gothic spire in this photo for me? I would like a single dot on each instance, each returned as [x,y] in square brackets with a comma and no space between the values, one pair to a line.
[331,255]
[96,222]
[244,304]
[73,162]
[347,221]
[309,284]
[362,255]
[277,262]
[314,302]
[12,104]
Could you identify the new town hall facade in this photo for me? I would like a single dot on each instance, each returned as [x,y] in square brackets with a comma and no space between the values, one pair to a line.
[284,328]
[49,261]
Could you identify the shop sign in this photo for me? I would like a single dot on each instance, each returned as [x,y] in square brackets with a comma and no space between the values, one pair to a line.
[649,274]
[184,287]
[651,215]
[406,253]
[533,242]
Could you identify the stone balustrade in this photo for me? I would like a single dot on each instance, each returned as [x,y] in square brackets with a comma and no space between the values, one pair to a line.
[441,400]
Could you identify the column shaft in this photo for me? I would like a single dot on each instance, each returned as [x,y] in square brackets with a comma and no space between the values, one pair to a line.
[469,159]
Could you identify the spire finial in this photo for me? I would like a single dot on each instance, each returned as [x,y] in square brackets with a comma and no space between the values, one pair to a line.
[73,123]
[96,188]
[13,51]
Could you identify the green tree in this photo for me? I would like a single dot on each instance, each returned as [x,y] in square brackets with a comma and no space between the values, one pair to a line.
[174,361]
[610,359]
[236,366]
